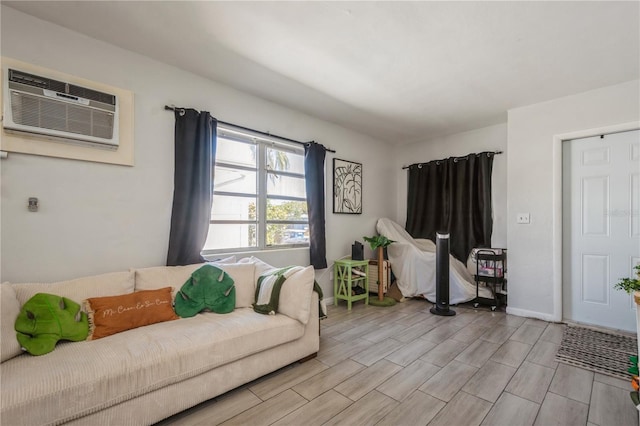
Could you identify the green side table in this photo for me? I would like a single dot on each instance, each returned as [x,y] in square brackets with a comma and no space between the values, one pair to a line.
[345,278]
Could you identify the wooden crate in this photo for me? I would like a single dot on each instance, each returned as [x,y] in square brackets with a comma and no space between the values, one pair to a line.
[373,276]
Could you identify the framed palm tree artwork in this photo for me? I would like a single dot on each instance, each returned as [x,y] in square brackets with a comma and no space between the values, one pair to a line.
[347,187]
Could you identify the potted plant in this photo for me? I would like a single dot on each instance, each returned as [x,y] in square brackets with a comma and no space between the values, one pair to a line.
[630,285]
[379,242]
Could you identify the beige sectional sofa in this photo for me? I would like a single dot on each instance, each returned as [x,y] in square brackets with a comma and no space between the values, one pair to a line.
[146,374]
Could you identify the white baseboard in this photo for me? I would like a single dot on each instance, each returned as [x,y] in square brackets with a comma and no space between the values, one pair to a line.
[530,314]
[328,300]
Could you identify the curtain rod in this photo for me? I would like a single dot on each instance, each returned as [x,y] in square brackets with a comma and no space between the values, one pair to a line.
[173,108]
[464,156]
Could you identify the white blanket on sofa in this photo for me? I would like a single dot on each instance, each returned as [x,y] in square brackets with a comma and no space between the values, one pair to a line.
[413,262]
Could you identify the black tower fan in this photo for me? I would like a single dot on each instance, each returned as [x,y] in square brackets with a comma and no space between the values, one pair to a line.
[442,276]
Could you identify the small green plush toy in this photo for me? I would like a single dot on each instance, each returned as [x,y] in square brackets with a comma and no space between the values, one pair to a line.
[45,319]
[208,288]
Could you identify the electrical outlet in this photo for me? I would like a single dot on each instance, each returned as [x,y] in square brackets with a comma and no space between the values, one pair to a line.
[33,204]
[330,275]
[523,218]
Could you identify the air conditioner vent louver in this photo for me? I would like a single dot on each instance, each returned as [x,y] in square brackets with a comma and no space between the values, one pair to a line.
[34,111]
[45,106]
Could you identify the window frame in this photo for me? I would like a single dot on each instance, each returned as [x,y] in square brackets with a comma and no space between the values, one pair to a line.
[261,143]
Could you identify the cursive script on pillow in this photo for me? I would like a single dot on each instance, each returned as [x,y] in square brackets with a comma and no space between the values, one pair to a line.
[140,305]
[113,314]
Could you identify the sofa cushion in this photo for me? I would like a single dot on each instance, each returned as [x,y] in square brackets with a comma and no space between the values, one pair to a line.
[114,314]
[268,289]
[262,268]
[295,295]
[243,278]
[79,289]
[223,261]
[175,277]
[170,276]
[81,378]
[164,276]
[9,309]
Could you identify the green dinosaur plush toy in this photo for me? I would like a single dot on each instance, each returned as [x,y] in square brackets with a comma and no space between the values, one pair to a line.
[45,319]
[208,288]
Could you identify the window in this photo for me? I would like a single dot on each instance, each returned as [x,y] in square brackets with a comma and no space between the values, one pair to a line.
[259,196]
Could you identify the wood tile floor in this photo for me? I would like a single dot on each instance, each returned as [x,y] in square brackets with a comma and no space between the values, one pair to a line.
[404,366]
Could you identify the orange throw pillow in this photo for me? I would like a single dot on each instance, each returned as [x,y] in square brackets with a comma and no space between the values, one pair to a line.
[113,314]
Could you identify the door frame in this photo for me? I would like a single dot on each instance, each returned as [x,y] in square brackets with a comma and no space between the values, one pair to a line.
[557,201]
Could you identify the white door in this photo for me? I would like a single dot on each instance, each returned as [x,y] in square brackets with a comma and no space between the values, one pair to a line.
[601,228]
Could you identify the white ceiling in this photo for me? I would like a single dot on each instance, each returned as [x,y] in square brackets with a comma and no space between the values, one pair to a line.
[399,71]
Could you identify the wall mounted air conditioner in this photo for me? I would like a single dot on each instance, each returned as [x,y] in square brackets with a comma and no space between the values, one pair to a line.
[58,110]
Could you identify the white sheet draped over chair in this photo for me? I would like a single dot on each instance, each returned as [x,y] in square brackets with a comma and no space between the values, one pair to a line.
[413,262]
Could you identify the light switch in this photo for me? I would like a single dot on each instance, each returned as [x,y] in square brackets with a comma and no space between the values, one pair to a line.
[523,218]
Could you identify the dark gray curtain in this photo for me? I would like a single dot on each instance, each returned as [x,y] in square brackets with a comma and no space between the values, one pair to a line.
[452,195]
[195,152]
[314,155]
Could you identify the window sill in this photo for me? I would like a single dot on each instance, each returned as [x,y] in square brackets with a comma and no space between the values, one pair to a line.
[260,254]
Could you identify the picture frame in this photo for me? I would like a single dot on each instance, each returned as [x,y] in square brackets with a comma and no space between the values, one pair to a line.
[347,187]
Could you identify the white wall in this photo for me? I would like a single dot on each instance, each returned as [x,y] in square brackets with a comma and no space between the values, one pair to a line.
[96,218]
[534,174]
[493,138]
